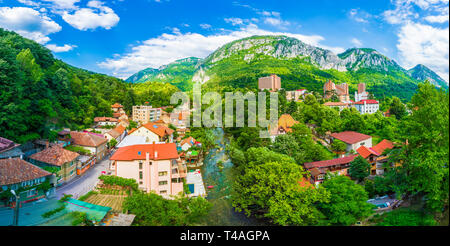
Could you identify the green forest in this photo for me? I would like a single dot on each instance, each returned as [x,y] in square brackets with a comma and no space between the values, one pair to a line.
[39,93]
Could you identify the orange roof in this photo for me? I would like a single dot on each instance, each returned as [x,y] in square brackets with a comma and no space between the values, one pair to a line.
[116,105]
[120,129]
[188,140]
[366,152]
[156,128]
[55,155]
[104,119]
[86,139]
[286,122]
[377,150]
[164,151]
[382,146]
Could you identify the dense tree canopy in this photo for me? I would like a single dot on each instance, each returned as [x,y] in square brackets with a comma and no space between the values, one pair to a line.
[348,201]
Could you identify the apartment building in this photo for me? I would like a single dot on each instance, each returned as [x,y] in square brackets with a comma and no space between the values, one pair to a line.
[271,83]
[144,114]
[155,167]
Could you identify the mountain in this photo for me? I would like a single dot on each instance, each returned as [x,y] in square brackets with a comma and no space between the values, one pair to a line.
[240,63]
[175,73]
[357,58]
[421,72]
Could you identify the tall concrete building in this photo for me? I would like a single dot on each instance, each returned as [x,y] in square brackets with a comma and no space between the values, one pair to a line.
[271,83]
[144,114]
[361,94]
[329,88]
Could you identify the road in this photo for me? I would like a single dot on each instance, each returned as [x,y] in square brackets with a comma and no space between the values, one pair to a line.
[81,185]
[30,213]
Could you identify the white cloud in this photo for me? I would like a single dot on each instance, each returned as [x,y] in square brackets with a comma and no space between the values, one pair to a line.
[437,18]
[63,4]
[205,26]
[28,23]
[419,42]
[55,48]
[424,44]
[359,16]
[234,21]
[167,48]
[96,16]
[356,42]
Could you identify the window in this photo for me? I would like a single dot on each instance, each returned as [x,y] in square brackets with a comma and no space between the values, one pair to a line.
[140,165]
[140,182]
[141,175]
[162,182]
[162,173]
[163,192]
[31,192]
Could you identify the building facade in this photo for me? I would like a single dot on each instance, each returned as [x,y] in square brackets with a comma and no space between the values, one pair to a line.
[144,114]
[367,106]
[341,91]
[271,83]
[16,173]
[153,132]
[155,167]
[361,94]
[295,95]
[354,140]
[9,149]
[63,160]
[95,144]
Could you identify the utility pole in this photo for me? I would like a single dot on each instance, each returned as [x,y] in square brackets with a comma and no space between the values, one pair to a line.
[16,209]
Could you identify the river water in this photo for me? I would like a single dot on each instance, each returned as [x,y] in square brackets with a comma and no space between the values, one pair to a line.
[222,212]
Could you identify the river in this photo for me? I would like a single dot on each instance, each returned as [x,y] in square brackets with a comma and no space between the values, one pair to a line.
[222,212]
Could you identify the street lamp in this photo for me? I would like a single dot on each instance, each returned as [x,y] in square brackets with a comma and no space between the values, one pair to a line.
[16,209]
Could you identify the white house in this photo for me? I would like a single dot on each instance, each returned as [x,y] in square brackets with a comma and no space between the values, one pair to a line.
[367,106]
[354,140]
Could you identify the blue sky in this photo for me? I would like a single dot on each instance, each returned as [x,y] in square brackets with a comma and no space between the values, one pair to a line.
[121,37]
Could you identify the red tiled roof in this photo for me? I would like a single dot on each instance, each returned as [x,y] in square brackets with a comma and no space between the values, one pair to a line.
[86,139]
[366,152]
[120,129]
[286,122]
[165,151]
[327,163]
[315,172]
[382,146]
[6,144]
[377,150]
[55,155]
[105,119]
[368,101]
[350,137]
[156,128]
[116,105]
[16,170]
[116,115]
[188,140]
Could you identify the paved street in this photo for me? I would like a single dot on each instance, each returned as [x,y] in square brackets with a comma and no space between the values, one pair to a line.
[84,183]
[30,213]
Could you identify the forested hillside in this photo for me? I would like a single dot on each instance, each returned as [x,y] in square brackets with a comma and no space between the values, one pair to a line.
[39,93]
